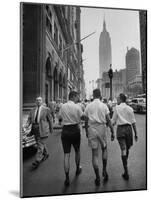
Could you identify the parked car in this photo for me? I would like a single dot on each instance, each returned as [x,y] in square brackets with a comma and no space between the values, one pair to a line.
[129,102]
[138,105]
[28,140]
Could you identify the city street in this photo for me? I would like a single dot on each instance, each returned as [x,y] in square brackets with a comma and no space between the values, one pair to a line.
[48,179]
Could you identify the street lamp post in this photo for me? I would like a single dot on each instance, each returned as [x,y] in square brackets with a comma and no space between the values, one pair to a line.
[110,74]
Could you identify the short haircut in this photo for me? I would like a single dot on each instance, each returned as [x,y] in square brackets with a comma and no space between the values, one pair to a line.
[104,100]
[122,97]
[72,94]
[39,98]
[96,93]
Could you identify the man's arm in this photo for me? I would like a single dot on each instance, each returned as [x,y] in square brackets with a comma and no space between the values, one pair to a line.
[52,111]
[80,112]
[60,115]
[135,131]
[133,121]
[86,119]
[108,120]
[114,118]
[86,125]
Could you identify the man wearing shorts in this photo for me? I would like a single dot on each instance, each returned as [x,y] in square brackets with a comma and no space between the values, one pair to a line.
[124,118]
[71,114]
[97,115]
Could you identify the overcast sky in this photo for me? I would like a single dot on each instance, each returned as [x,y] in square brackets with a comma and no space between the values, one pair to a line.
[123,27]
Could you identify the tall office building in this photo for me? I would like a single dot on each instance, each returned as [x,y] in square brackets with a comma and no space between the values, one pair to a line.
[143,38]
[133,73]
[132,64]
[105,57]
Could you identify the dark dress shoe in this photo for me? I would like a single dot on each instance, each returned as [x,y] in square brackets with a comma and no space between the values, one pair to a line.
[78,171]
[45,157]
[67,182]
[35,164]
[97,181]
[105,176]
[125,176]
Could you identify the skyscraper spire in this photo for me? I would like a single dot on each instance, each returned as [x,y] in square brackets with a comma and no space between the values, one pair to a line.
[104,24]
[105,57]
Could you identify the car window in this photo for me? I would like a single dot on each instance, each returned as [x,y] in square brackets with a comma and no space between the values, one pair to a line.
[134,100]
[141,101]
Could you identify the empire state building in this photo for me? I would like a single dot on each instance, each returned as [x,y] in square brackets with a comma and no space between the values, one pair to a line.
[105,57]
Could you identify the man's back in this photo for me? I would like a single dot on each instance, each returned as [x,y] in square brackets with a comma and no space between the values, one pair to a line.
[70,113]
[125,113]
[96,111]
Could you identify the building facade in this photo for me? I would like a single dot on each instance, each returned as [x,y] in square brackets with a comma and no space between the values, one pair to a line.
[118,83]
[135,86]
[52,52]
[105,57]
[132,64]
[133,71]
[143,38]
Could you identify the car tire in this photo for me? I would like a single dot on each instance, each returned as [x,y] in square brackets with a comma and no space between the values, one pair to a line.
[140,110]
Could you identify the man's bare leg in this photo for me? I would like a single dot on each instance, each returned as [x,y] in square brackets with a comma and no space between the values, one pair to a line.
[104,161]
[95,165]
[67,168]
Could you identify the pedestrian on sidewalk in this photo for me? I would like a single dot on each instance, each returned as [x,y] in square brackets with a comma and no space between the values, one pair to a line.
[70,113]
[97,116]
[124,118]
[51,106]
[40,120]
[58,106]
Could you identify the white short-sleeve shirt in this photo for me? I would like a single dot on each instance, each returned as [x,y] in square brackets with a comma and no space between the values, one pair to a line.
[70,113]
[123,114]
[96,111]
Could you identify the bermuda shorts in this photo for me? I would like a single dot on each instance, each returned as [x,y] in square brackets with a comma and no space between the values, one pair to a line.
[125,136]
[71,137]
[97,135]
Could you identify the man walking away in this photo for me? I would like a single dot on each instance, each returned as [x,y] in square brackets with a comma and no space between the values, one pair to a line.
[41,120]
[71,114]
[124,118]
[97,115]
[51,106]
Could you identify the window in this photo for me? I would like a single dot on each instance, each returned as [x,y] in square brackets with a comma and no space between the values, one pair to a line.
[48,12]
[47,8]
[56,34]
[48,25]
[70,76]
[47,22]
[134,101]
[60,44]
[141,101]
[48,67]
[50,15]
[48,19]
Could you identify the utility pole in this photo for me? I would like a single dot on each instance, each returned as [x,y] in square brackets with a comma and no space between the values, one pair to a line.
[110,74]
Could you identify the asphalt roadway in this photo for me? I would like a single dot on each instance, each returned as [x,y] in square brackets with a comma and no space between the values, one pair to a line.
[48,179]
